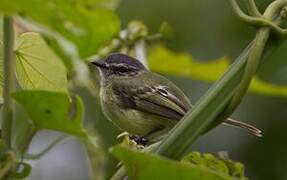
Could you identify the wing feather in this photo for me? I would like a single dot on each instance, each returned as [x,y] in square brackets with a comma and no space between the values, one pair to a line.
[156,100]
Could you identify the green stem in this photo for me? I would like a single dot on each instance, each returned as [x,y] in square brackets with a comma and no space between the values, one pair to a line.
[252,8]
[261,21]
[255,55]
[9,79]
[250,69]
[199,118]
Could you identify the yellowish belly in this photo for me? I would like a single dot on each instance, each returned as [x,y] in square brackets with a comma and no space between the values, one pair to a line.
[133,121]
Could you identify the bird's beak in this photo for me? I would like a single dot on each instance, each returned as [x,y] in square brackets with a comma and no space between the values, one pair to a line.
[100,64]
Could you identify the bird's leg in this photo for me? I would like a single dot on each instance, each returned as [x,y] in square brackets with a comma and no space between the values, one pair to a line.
[140,140]
[148,138]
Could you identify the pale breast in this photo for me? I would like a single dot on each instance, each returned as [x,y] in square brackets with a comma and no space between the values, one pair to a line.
[130,120]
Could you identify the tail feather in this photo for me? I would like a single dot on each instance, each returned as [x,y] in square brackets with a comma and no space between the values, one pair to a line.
[238,124]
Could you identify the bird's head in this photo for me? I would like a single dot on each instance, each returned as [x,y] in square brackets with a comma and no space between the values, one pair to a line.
[119,65]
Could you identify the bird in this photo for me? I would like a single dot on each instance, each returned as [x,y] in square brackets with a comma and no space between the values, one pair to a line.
[144,104]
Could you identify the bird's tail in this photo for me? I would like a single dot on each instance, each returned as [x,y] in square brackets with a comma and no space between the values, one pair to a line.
[238,124]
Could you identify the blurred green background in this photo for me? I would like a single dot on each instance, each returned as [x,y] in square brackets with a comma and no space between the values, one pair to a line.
[207,29]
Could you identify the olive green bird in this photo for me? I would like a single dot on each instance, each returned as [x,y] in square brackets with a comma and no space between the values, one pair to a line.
[143,103]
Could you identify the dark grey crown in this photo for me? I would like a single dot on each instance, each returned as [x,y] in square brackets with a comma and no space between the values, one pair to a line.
[120,65]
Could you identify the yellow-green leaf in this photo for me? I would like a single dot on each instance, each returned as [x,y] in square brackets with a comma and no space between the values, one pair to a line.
[37,66]
[89,25]
[142,166]
[217,164]
[163,60]
[53,110]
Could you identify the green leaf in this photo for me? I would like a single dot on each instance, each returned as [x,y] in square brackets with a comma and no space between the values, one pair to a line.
[209,161]
[141,166]
[37,66]
[56,47]
[87,24]
[58,111]
[162,60]
[53,110]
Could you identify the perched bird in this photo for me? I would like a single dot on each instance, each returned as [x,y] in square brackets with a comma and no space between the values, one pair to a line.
[143,103]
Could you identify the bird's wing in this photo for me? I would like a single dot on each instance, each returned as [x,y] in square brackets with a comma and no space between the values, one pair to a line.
[157,100]
[163,100]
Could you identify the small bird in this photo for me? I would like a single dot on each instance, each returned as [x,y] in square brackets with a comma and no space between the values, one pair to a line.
[145,104]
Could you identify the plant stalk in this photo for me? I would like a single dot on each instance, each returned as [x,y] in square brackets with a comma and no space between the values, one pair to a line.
[198,119]
[251,67]
[9,80]
[252,8]
[255,55]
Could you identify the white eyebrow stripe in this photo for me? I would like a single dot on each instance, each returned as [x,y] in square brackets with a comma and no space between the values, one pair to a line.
[119,65]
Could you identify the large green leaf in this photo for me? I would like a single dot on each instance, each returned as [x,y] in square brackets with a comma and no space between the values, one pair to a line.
[165,61]
[53,110]
[58,111]
[37,65]
[86,23]
[142,166]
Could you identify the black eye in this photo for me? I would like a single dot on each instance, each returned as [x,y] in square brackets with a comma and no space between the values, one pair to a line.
[122,69]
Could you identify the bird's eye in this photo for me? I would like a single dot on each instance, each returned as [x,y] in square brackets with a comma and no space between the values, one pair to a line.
[122,69]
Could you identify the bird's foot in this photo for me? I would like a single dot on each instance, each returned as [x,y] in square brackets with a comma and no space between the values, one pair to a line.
[139,140]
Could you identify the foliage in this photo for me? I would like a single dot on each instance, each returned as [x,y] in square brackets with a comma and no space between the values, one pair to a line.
[163,60]
[141,165]
[87,24]
[37,66]
[54,110]
[68,32]
[217,164]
